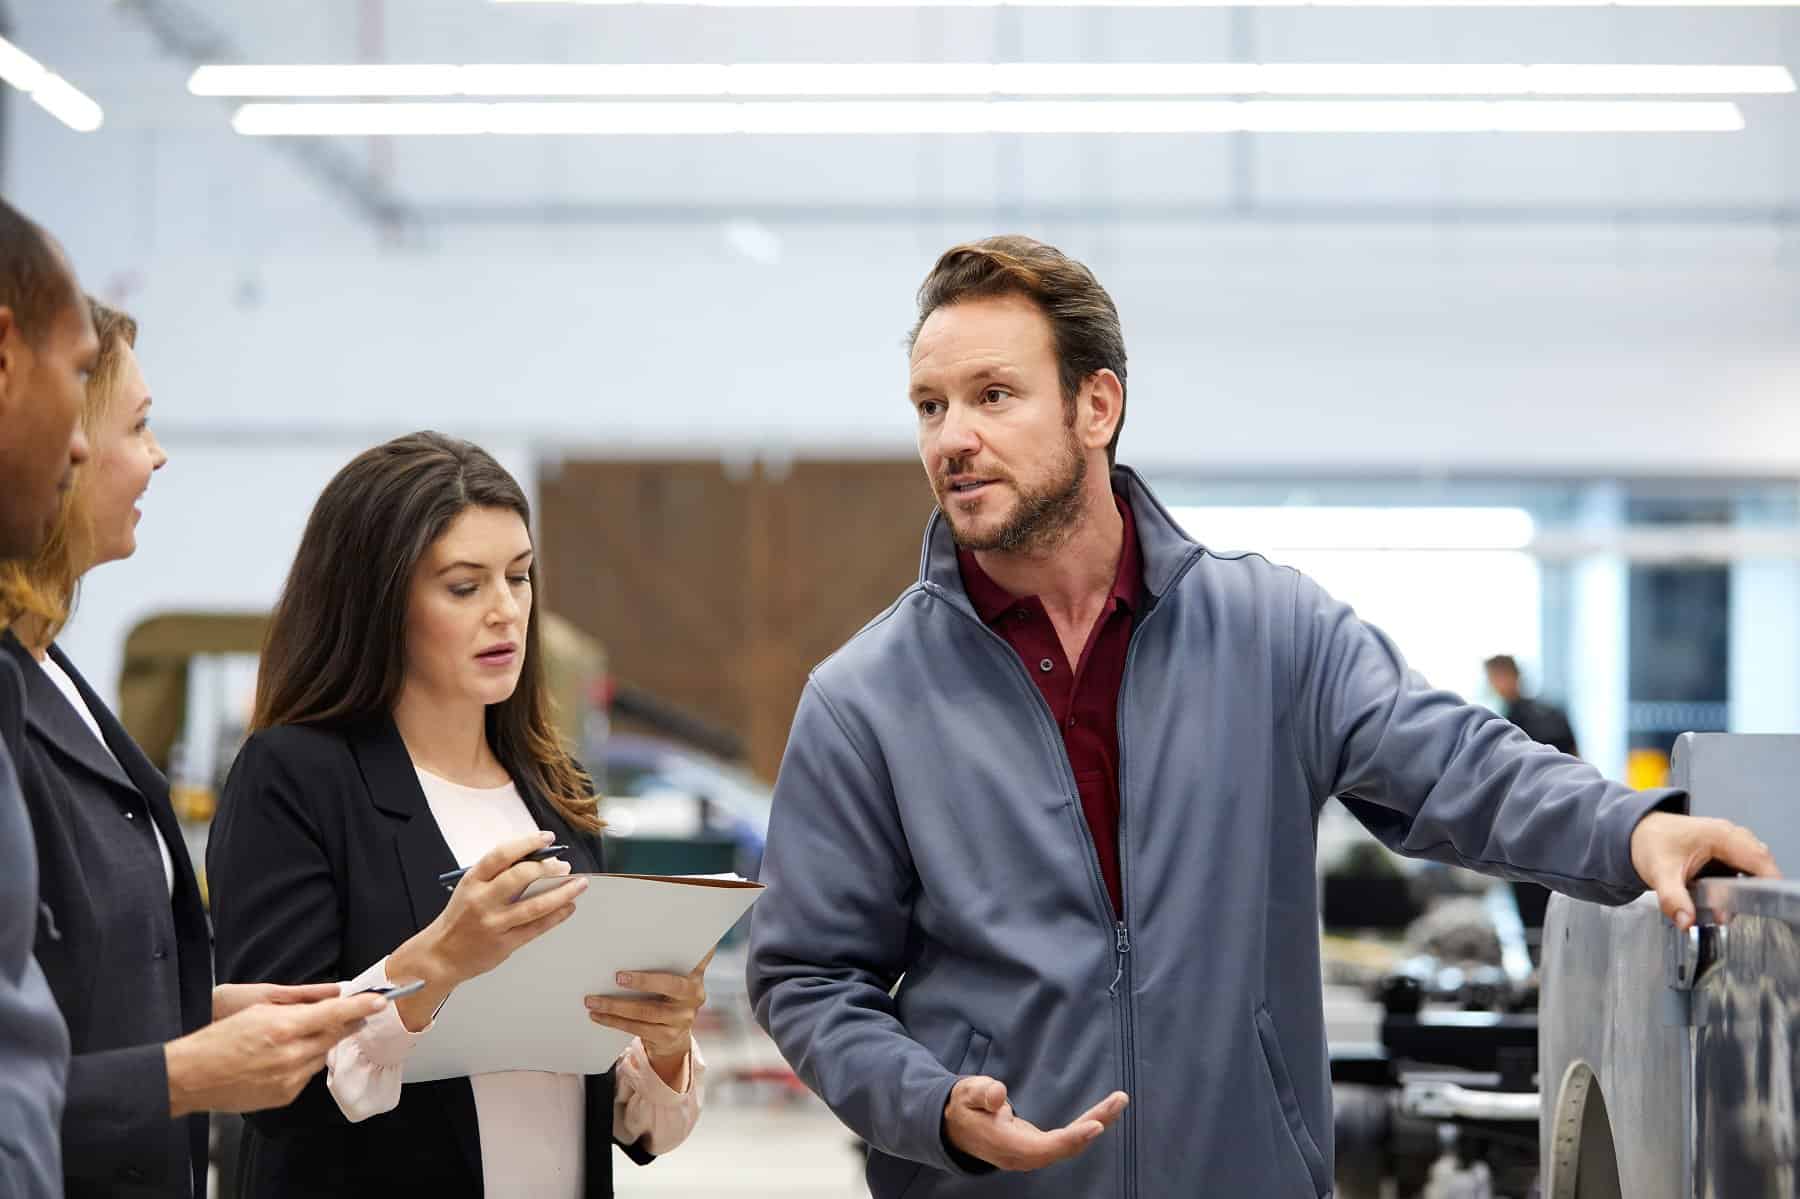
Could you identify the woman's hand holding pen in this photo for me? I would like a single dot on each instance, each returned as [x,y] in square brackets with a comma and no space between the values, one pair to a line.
[663,1019]
[481,926]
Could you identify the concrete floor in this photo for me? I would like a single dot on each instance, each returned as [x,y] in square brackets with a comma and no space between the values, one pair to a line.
[793,1149]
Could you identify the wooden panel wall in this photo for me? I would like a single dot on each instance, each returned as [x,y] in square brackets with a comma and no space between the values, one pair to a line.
[720,590]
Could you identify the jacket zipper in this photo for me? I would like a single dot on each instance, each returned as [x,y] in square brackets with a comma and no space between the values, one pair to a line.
[1117,923]
[1122,929]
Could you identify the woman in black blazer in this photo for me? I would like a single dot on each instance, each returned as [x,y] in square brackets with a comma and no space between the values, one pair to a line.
[122,935]
[402,728]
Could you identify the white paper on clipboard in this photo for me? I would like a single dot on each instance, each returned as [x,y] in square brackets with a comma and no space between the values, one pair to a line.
[528,1013]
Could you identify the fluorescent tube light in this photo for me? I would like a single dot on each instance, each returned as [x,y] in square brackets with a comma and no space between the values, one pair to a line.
[1282,529]
[1183,3]
[855,117]
[54,94]
[988,79]
[68,104]
[19,68]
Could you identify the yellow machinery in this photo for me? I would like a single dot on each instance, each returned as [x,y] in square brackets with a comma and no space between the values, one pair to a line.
[153,684]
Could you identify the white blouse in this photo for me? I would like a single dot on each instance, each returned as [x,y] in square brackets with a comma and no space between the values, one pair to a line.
[530,1123]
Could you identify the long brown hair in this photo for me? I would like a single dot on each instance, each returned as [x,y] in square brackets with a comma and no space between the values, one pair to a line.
[37,596]
[335,651]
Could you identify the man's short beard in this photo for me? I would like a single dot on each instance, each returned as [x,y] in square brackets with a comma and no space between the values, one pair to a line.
[1043,517]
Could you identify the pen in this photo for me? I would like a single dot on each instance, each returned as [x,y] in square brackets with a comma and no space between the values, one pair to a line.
[451,877]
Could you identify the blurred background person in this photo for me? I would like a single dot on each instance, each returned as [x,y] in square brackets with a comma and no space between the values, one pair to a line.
[402,728]
[1543,722]
[124,941]
[47,348]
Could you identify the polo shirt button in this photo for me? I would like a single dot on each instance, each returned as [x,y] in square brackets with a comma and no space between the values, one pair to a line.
[130,816]
[160,954]
[1046,666]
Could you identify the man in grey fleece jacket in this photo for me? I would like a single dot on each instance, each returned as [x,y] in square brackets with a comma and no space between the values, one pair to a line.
[1041,858]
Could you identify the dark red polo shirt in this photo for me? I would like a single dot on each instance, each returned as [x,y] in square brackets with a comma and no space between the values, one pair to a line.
[1084,700]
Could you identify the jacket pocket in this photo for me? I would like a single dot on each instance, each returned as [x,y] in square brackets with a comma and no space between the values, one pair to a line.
[1283,1082]
[900,1178]
[975,1055]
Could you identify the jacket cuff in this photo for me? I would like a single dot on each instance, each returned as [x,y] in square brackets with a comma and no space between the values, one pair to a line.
[1629,813]
[963,1162]
[934,1137]
[116,1125]
[384,1038]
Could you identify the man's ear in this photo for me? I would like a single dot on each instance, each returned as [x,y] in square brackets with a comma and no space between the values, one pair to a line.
[1099,408]
[10,345]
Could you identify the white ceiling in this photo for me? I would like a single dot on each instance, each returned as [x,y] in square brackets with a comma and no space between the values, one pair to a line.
[1751,177]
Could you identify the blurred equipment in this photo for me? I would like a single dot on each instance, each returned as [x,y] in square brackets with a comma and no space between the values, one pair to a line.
[155,680]
[188,684]
[1667,1057]
[1445,1105]
[671,809]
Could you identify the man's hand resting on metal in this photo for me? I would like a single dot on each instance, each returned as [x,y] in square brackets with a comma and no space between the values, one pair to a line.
[979,1121]
[1668,850]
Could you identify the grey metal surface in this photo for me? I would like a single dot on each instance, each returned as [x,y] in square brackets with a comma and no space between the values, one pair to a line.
[1747,778]
[1746,1011]
[1603,1016]
[1666,1058]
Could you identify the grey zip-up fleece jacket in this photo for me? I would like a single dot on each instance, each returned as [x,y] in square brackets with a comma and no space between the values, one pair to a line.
[927,832]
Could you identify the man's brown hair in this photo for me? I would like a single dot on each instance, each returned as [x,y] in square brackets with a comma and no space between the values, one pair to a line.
[34,283]
[39,594]
[1084,323]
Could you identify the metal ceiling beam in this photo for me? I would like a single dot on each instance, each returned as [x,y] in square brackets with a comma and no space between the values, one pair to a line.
[196,40]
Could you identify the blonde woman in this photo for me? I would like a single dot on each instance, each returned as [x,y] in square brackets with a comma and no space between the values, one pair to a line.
[122,935]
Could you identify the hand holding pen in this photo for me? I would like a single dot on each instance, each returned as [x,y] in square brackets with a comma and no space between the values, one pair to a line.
[484,922]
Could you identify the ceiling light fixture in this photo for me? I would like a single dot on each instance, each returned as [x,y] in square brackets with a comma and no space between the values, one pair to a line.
[1182,3]
[987,79]
[54,94]
[852,117]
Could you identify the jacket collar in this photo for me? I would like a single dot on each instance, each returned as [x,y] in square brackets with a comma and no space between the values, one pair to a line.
[49,714]
[1162,543]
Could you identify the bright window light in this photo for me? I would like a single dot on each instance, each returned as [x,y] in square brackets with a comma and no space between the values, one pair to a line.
[54,94]
[375,80]
[1451,586]
[1281,529]
[621,118]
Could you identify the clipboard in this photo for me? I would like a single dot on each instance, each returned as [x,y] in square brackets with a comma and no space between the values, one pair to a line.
[528,1013]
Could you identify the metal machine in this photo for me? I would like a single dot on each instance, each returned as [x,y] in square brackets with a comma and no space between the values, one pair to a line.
[1667,1059]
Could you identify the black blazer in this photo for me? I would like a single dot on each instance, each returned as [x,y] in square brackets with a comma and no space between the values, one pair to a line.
[130,965]
[323,858]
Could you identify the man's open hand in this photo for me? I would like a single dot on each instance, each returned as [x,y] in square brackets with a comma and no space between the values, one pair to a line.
[980,1122]
[1668,850]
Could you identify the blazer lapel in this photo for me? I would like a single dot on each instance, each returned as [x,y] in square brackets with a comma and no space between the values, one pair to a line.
[191,927]
[393,785]
[49,713]
[142,772]
[387,771]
